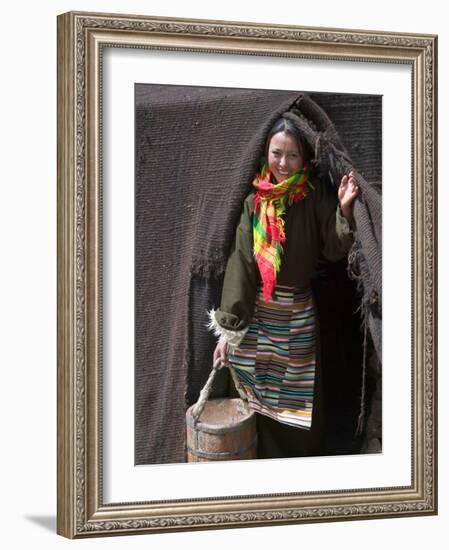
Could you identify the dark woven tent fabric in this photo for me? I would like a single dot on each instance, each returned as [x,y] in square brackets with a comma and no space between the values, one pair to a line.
[197,150]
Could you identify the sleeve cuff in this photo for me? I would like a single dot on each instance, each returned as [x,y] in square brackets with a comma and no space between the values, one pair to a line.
[233,338]
[344,227]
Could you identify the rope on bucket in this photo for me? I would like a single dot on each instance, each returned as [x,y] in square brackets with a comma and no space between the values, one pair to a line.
[204,394]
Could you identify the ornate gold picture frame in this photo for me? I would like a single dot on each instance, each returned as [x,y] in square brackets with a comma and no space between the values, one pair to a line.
[82,509]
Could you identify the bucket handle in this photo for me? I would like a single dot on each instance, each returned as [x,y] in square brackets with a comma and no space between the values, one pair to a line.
[205,392]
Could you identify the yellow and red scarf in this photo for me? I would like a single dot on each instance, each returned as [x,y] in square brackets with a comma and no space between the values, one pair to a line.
[268,224]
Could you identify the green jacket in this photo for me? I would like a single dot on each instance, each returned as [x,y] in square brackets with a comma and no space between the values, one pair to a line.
[313,226]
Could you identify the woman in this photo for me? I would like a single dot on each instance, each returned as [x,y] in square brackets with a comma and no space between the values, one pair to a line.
[266,322]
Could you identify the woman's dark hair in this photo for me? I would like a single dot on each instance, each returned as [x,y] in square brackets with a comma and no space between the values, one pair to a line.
[285,125]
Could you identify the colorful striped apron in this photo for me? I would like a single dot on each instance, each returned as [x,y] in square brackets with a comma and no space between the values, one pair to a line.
[275,363]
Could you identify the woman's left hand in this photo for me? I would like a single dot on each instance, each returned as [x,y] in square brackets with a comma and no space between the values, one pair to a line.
[347,192]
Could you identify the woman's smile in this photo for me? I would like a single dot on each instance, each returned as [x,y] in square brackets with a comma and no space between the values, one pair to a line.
[284,156]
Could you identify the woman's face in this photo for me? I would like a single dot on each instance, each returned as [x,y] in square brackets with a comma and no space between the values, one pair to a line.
[284,156]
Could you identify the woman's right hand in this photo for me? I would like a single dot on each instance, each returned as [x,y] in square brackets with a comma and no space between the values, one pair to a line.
[220,353]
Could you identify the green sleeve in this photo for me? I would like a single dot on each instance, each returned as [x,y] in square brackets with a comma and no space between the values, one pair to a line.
[337,234]
[241,276]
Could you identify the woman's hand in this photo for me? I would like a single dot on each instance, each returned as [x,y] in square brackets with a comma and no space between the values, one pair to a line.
[347,192]
[220,353]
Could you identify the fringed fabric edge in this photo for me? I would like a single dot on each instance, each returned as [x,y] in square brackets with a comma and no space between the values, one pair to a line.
[233,338]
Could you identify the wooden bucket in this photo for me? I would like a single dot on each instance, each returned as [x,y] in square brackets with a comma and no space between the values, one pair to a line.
[226,431]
